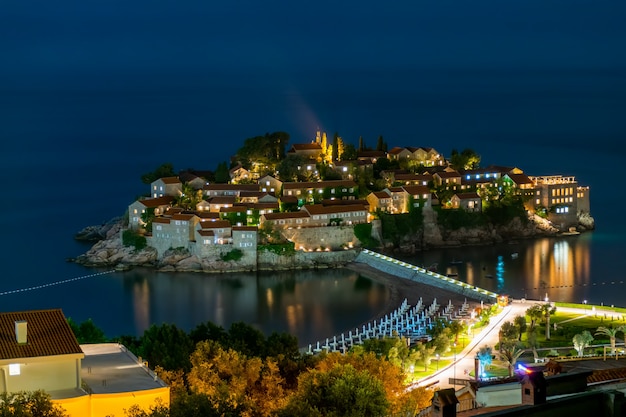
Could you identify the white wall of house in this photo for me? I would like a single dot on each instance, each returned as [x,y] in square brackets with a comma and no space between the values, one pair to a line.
[50,374]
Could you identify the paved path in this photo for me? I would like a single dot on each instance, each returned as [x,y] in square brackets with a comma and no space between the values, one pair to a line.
[488,336]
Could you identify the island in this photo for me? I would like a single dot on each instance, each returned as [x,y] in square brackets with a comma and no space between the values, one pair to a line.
[317,204]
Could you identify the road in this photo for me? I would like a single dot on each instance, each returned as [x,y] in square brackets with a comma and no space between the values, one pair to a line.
[464,360]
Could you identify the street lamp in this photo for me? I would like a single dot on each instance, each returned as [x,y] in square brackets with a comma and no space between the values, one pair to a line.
[454,367]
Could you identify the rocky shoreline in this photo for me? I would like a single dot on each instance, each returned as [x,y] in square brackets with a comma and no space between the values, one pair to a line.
[109,251]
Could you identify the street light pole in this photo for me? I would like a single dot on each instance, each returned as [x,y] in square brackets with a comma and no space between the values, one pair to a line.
[454,368]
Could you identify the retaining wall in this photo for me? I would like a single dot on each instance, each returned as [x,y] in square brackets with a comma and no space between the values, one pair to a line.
[411,272]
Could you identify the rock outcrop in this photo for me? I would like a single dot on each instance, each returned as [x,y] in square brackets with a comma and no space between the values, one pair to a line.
[109,251]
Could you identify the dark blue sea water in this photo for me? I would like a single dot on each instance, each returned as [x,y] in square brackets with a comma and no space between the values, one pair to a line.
[73,151]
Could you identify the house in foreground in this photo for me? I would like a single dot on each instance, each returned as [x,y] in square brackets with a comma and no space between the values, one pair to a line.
[38,351]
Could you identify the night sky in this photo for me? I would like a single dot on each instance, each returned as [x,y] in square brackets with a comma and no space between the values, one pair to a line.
[307,61]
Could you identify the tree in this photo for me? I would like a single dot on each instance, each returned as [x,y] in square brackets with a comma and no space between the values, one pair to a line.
[508,335]
[467,159]
[535,313]
[167,346]
[510,353]
[581,341]
[484,359]
[456,328]
[380,144]
[222,174]
[547,310]
[425,353]
[235,383]
[340,391]
[29,404]
[246,339]
[289,169]
[611,332]
[156,410]
[189,197]
[165,170]
[264,150]
[349,152]
[361,144]
[520,324]
[87,332]
[531,341]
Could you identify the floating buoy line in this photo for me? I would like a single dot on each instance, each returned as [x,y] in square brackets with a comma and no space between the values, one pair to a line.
[52,284]
[593,284]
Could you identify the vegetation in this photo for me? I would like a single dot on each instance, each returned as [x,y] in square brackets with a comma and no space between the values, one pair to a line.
[165,170]
[29,404]
[87,331]
[284,249]
[363,232]
[132,238]
[232,255]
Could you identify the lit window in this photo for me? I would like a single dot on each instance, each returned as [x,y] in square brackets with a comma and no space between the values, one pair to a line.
[14,369]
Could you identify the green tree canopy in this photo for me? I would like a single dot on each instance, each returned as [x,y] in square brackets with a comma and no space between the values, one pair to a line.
[467,159]
[165,170]
[167,346]
[342,391]
[87,331]
[267,149]
[222,173]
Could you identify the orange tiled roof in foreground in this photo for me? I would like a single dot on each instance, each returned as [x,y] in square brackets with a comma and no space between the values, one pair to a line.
[48,334]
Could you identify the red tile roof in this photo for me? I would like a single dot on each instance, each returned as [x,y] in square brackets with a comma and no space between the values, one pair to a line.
[170,180]
[158,201]
[48,334]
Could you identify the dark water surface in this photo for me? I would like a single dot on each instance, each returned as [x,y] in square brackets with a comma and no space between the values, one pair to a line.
[73,152]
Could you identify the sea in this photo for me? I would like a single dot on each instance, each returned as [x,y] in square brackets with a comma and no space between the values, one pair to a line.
[74,149]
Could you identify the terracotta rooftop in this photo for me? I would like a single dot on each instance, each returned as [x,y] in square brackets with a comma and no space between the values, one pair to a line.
[158,201]
[319,184]
[170,180]
[320,209]
[47,334]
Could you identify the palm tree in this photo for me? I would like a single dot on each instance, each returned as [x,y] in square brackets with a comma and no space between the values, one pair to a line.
[611,332]
[547,310]
[510,354]
[484,359]
[581,341]
[535,313]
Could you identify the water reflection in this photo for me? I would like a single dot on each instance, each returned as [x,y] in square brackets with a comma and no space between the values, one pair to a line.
[308,304]
[558,267]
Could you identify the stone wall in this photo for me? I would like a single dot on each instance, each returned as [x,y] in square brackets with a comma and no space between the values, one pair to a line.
[413,273]
[322,238]
[268,261]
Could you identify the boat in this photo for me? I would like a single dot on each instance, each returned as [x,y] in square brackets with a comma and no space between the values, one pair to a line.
[514,255]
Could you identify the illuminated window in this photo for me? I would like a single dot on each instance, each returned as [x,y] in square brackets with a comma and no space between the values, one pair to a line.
[14,369]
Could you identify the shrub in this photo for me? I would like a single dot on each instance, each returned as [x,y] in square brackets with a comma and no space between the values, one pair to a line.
[363,232]
[132,238]
[233,255]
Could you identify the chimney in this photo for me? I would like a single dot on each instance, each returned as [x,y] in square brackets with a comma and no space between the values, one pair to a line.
[20,332]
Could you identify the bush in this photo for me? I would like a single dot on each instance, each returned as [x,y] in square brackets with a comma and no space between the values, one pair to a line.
[363,232]
[286,249]
[233,255]
[132,238]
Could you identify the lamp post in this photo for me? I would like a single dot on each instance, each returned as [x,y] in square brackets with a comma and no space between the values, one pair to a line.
[454,367]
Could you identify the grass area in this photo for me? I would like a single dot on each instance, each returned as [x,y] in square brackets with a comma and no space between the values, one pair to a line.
[619,310]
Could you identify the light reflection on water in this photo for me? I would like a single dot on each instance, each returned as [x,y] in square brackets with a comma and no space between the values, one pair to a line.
[567,269]
[308,304]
